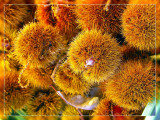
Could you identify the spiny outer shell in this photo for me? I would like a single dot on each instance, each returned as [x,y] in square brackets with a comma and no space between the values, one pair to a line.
[38,44]
[15,14]
[130,53]
[131,112]
[70,82]
[102,48]
[9,33]
[63,17]
[132,87]
[12,62]
[9,2]
[37,77]
[15,96]
[44,102]
[4,65]
[66,20]
[103,107]
[139,25]
[96,17]
[44,14]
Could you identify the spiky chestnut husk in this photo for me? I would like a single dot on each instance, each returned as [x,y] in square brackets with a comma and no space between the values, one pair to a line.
[7,44]
[15,96]
[44,14]
[12,62]
[37,77]
[44,102]
[97,17]
[103,108]
[95,55]
[70,82]
[9,2]
[130,53]
[61,16]
[38,44]
[131,112]
[133,86]
[4,66]
[15,15]
[102,86]
[66,20]
[8,34]
[140,26]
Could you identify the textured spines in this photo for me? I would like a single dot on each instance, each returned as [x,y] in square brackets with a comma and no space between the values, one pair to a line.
[8,34]
[15,96]
[102,111]
[37,77]
[103,108]
[45,15]
[130,53]
[61,16]
[133,86]
[44,102]
[70,82]
[139,25]
[98,17]
[94,54]
[15,15]
[12,63]
[38,44]
[66,20]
